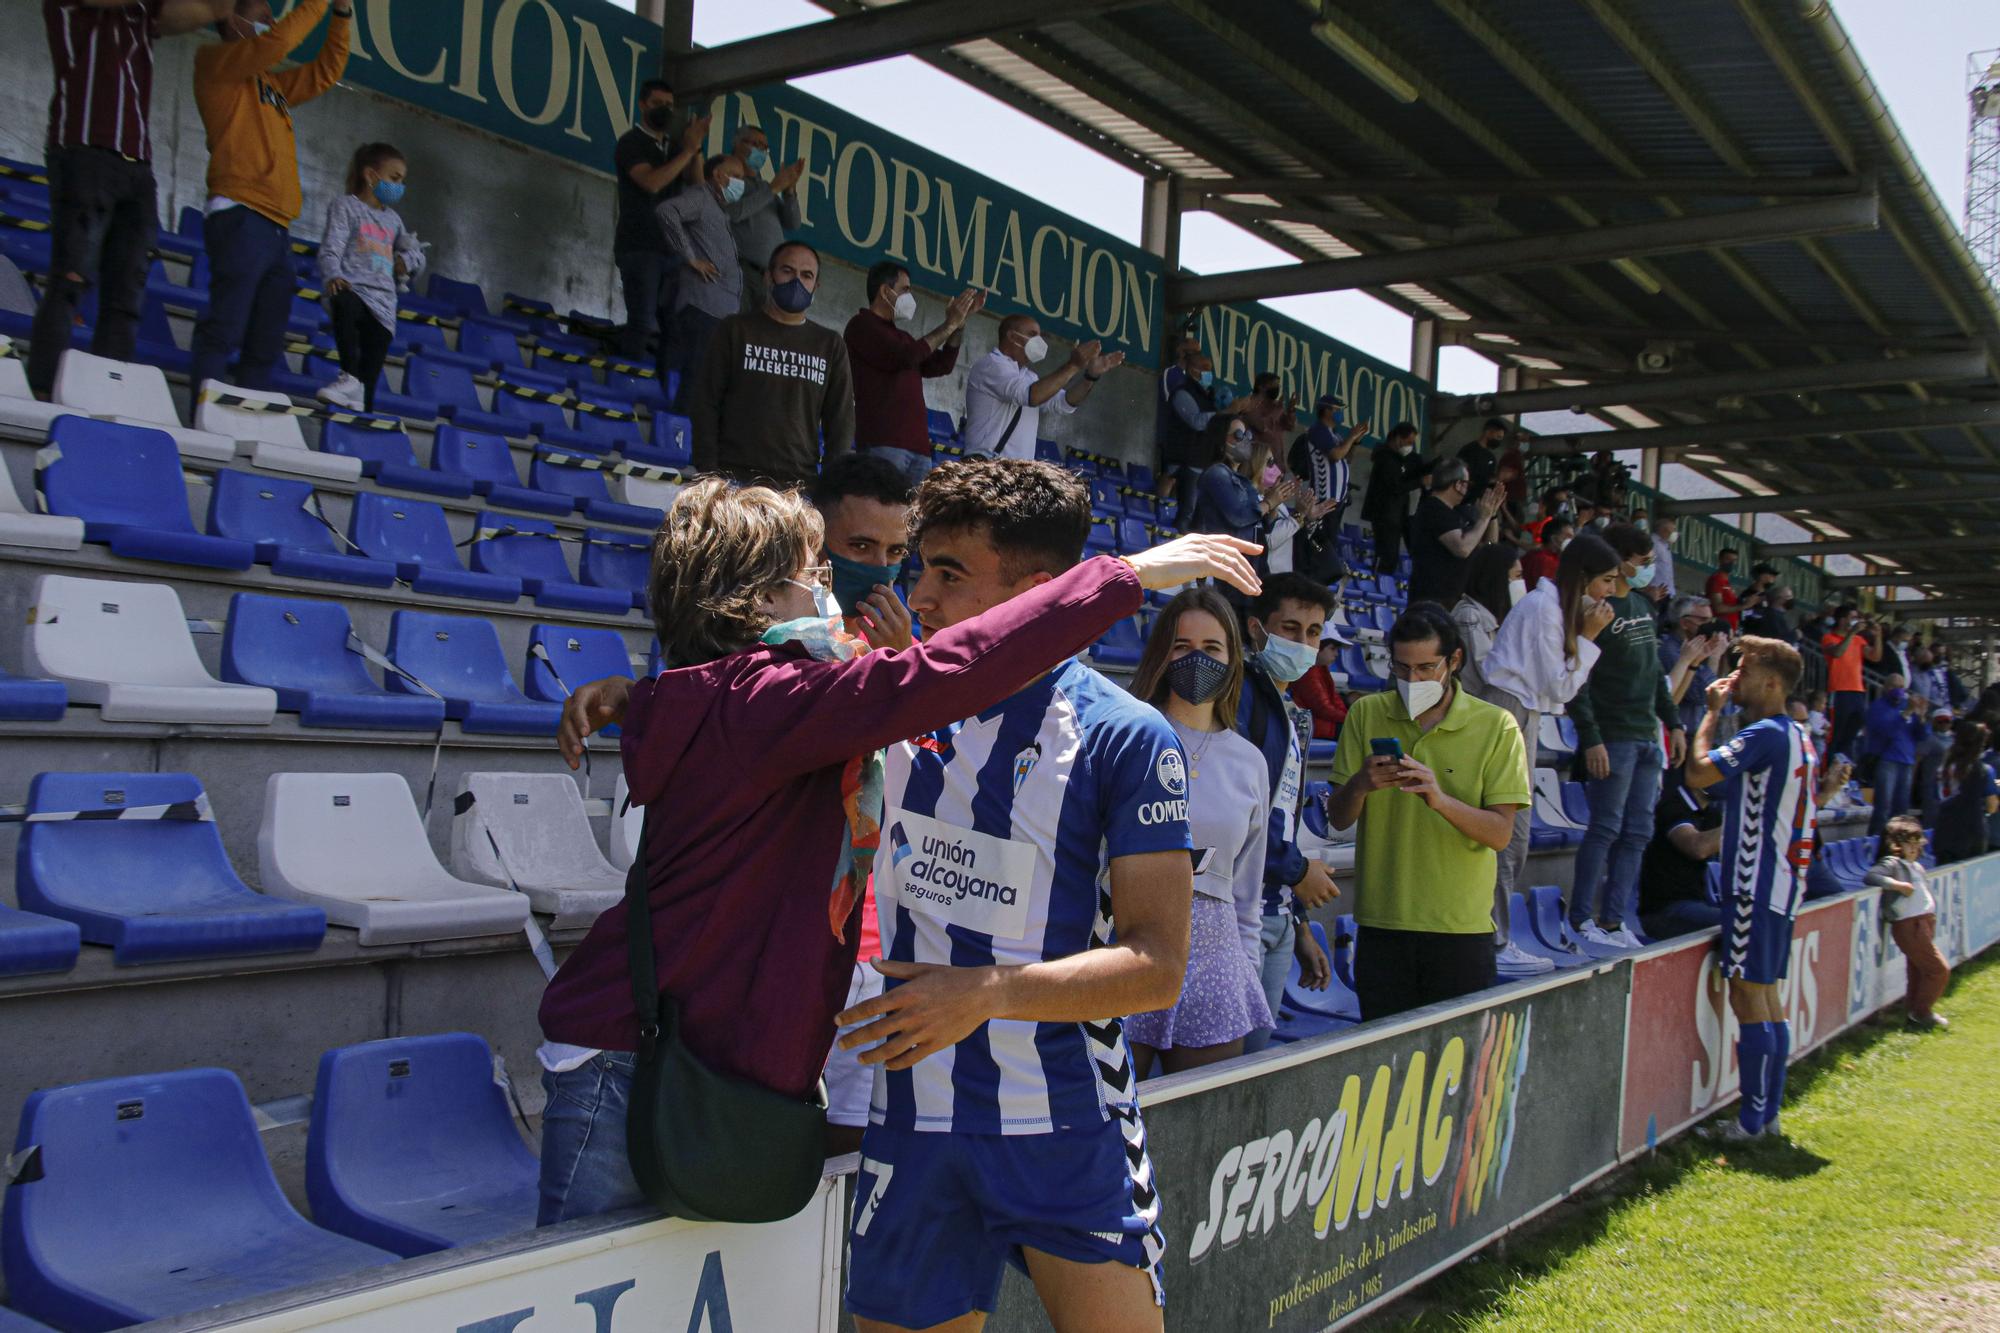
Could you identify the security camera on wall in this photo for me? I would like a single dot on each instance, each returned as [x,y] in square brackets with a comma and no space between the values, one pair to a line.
[1655,358]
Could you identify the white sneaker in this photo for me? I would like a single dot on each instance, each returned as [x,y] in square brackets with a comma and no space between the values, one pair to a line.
[344,392]
[1625,939]
[1592,933]
[1729,1131]
[1513,961]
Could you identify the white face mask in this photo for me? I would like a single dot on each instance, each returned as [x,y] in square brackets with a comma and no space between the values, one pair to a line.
[823,603]
[1035,348]
[1516,590]
[1285,660]
[906,306]
[1419,696]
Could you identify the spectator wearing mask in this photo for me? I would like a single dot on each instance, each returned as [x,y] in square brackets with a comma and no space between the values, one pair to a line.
[1286,623]
[890,367]
[366,255]
[1850,644]
[1179,371]
[1930,756]
[1193,660]
[1721,593]
[709,286]
[1755,604]
[1896,652]
[1433,819]
[1967,795]
[246,105]
[1618,716]
[1665,529]
[1317,694]
[1927,679]
[1690,657]
[770,385]
[1770,616]
[1493,586]
[1271,416]
[1005,396]
[1554,504]
[1955,689]
[1393,473]
[1318,459]
[1541,657]
[1894,729]
[649,170]
[103,202]
[1554,534]
[1673,876]
[1911,910]
[1482,463]
[1232,495]
[1445,531]
[765,213]
[1183,429]
[1818,723]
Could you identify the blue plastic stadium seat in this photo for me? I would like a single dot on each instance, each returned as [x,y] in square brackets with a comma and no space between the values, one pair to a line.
[524,415]
[30,942]
[580,656]
[1133,535]
[619,560]
[301,650]
[464,298]
[1103,538]
[277,517]
[1321,751]
[191,295]
[27,700]
[1521,930]
[1139,504]
[387,457]
[1342,953]
[1139,477]
[414,535]
[494,344]
[13,1321]
[1338,1000]
[941,427]
[460,658]
[1120,646]
[604,422]
[414,337]
[639,388]
[560,473]
[524,550]
[1576,803]
[670,445]
[125,483]
[154,1200]
[144,871]
[1546,919]
[413,1148]
[434,388]
[1105,497]
[1359,677]
[488,461]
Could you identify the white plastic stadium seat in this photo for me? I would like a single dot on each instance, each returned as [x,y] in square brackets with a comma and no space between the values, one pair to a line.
[272,439]
[126,648]
[1549,802]
[639,491]
[20,527]
[18,404]
[621,838]
[546,846]
[134,394]
[353,845]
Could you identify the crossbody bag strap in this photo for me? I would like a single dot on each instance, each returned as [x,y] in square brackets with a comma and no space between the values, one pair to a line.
[1008,433]
[639,948]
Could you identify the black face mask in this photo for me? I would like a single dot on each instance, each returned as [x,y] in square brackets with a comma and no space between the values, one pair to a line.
[1271,394]
[657,117]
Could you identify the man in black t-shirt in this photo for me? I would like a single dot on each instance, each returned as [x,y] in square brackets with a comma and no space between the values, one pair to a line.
[1444,533]
[1673,876]
[648,173]
[1481,463]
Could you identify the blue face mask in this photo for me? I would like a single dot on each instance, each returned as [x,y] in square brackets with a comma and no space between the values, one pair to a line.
[732,189]
[853,580]
[1285,661]
[1206,379]
[757,159]
[389,193]
[792,296]
[1197,677]
[1642,579]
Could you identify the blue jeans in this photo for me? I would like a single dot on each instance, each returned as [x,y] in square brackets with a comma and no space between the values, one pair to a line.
[250,290]
[584,1167]
[914,467]
[1892,793]
[1621,824]
[1277,939]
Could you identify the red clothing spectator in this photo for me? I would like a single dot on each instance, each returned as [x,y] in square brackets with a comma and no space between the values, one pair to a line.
[1315,692]
[1539,564]
[1722,598]
[890,367]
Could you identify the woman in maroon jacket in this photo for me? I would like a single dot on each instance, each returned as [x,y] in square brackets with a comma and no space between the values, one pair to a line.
[750,755]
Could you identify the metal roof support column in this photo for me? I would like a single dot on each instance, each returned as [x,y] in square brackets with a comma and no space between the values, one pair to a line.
[1424,350]
[1160,220]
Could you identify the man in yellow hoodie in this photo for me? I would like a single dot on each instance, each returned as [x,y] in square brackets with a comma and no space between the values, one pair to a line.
[253,178]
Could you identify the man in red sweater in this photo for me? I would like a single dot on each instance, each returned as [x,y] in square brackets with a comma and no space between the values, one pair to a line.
[1721,594]
[890,367]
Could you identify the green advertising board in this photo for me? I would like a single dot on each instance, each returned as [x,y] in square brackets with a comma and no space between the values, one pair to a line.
[1246,340]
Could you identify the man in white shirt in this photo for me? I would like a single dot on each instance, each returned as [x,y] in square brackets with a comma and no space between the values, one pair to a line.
[1004,396]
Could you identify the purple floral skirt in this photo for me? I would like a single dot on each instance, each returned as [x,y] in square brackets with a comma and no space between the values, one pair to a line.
[1221,998]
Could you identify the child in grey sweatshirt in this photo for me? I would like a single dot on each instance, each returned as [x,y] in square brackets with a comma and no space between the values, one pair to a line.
[365,256]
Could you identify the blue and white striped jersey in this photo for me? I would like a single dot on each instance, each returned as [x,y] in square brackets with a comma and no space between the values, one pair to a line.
[998,836]
[1769,812]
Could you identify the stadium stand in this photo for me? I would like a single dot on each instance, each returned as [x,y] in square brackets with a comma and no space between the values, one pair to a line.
[288,527]
[137,395]
[459,658]
[415,536]
[529,831]
[30,942]
[125,483]
[527,552]
[271,433]
[308,653]
[20,526]
[386,458]
[487,461]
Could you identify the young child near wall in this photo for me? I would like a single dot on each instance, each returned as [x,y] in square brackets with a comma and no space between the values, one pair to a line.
[1912,916]
[365,256]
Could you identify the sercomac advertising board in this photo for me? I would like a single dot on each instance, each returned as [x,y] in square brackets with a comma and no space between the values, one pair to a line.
[1295,1198]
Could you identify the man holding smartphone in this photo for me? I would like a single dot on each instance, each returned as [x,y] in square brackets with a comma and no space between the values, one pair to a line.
[1445,774]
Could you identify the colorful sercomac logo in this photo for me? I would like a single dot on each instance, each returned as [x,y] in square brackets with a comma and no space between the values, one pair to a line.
[1488,1126]
[899,845]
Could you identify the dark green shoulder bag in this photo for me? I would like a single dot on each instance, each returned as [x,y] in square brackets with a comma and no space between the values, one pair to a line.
[708,1146]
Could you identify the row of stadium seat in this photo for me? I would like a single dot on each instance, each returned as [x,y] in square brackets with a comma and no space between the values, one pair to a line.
[134,862]
[147,1197]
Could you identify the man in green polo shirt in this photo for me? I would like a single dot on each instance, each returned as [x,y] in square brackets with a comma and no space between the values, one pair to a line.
[1432,821]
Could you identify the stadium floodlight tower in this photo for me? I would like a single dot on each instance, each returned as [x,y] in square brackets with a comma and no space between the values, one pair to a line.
[1982,162]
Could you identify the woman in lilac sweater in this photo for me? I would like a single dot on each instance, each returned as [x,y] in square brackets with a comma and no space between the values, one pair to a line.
[744,754]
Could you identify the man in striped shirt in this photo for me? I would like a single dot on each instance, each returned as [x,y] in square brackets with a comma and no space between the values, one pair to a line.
[1770,773]
[103,214]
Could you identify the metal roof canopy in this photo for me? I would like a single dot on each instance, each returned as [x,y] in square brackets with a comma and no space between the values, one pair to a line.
[1352,133]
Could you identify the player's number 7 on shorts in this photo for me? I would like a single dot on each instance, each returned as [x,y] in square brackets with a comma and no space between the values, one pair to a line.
[881,1171]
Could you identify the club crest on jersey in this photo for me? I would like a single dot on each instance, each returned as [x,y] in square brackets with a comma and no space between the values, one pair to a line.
[899,845]
[1024,763]
[1171,772]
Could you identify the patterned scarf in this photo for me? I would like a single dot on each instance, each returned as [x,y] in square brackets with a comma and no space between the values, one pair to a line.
[861,781]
